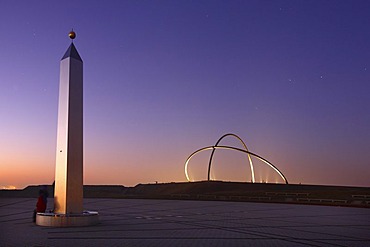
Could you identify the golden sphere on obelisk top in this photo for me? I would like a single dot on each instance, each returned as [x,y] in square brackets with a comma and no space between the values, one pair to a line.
[72,34]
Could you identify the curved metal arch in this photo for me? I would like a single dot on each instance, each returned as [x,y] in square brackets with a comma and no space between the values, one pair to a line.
[236,149]
[213,151]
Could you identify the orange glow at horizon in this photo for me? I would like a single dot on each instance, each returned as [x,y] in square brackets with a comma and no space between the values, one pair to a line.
[130,167]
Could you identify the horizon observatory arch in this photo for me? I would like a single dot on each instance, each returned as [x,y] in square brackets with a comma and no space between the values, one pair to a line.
[245,150]
[214,149]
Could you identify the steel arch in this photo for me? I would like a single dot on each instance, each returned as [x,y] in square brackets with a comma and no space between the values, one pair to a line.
[236,149]
[214,149]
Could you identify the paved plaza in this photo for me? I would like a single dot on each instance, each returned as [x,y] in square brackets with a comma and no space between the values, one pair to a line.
[134,222]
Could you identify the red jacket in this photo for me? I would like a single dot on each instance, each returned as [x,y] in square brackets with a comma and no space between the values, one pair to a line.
[41,205]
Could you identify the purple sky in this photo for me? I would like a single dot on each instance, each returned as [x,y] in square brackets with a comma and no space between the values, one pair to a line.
[165,78]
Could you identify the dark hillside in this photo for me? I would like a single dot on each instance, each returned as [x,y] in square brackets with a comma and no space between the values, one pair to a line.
[227,191]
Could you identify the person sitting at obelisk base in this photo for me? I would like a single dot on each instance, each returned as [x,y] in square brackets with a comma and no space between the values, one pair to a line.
[41,203]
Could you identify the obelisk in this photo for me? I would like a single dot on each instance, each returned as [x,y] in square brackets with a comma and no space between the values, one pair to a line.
[68,193]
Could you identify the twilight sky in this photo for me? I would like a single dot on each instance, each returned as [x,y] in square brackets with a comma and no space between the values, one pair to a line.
[165,78]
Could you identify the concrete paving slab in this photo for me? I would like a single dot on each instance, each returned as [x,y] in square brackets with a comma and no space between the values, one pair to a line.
[133,222]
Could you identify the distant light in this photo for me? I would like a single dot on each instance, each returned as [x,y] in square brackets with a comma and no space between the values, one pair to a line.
[9,187]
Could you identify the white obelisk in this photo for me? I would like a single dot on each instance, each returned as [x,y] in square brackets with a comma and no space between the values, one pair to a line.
[68,193]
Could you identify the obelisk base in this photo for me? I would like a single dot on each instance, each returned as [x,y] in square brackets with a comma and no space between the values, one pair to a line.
[87,218]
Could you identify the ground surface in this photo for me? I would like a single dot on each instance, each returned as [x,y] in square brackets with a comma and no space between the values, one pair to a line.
[134,222]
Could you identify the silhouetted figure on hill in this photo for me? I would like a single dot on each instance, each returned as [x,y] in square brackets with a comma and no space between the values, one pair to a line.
[41,202]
